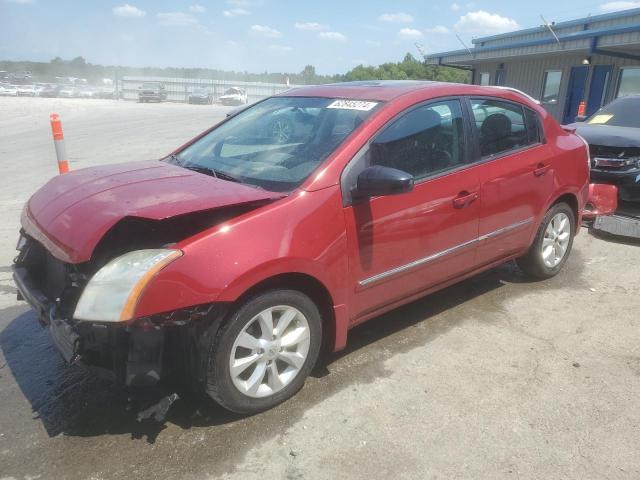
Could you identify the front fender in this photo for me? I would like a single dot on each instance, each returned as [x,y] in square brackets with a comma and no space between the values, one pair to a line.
[302,234]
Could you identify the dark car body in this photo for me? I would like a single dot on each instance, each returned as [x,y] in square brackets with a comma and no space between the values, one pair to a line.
[613,135]
[201,96]
[336,234]
[152,92]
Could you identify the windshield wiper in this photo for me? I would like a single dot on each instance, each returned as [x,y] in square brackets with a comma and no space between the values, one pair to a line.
[213,172]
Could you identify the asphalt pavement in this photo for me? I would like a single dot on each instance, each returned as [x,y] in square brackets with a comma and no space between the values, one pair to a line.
[495,378]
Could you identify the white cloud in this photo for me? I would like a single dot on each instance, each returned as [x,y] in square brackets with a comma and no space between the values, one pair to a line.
[311,26]
[129,11]
[455,7]
[399,17]
[280,48]
[335,36]
[265,31]
[197,8]
[239,3]
[235,12]
[620,5]
[176,19]
[409,33]
[483,23]
[437,29]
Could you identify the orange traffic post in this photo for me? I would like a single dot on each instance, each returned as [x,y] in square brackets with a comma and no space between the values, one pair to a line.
[582,109]
[58,142]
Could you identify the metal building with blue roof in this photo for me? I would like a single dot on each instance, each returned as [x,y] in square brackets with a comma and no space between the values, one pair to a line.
[593,59]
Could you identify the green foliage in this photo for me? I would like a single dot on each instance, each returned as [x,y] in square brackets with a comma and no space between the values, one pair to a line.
[408,69]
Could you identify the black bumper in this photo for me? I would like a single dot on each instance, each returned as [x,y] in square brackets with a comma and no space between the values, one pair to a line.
[63,334]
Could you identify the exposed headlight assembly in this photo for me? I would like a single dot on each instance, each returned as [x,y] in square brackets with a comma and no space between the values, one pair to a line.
[113,292]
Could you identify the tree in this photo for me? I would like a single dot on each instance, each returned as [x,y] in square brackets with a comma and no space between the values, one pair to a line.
[309,76]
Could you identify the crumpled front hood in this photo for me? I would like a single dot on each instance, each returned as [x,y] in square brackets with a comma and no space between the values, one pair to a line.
[72,212]
[608,136]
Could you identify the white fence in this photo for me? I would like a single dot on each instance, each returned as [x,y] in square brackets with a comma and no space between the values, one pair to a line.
[178,89]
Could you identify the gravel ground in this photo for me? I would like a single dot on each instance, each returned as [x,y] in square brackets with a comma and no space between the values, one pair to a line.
[497,377]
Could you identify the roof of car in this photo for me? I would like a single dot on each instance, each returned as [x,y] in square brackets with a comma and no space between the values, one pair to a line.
[381,90]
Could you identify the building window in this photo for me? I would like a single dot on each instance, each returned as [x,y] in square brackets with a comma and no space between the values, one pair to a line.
[551,86]
[484,78]
[629,81]
[501,75]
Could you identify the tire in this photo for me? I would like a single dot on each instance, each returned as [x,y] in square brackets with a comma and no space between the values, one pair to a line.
[552,244]
[235,389]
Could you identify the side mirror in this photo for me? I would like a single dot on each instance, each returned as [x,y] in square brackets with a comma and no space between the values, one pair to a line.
[378,180]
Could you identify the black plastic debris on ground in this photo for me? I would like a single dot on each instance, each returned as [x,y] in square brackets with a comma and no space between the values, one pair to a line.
[619,225]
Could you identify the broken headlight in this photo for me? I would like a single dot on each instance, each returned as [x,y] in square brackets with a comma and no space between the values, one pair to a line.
[112,293]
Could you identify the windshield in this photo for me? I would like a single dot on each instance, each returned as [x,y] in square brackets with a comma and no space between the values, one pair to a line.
[622,112]
[276,144]
[232,91]
[150,86]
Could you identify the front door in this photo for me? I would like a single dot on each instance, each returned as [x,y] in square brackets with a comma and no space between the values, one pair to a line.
[516,175]
[401,245]
[600,79]
[575,93]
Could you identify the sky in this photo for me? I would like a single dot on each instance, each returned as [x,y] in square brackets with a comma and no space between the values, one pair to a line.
[265,35]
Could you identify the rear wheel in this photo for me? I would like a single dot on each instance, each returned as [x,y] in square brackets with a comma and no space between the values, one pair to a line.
[552,244]
[262,355]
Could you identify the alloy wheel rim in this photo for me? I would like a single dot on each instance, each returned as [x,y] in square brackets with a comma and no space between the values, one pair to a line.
[269,351]
[556,240]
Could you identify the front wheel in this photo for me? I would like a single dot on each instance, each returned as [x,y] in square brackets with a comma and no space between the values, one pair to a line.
[262,355]
[552,244]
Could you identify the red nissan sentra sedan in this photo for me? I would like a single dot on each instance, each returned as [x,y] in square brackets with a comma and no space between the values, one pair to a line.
[233,260]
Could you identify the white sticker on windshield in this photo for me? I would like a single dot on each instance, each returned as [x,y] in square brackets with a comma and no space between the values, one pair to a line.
[361,105]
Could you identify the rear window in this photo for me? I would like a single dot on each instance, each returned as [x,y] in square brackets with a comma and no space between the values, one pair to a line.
[504,126]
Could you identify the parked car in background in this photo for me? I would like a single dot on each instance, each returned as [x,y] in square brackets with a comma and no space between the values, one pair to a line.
[613,135]
[69,91]
[106,93]
[152,92]
[234,96]
[8,90]
[233,260]
[26,91]
[201,96]
[88,92]
[50,91]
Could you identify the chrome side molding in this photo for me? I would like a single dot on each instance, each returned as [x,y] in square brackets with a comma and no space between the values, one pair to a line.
[421,261]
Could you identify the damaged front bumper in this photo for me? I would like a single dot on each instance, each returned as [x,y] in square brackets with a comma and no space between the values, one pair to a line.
[602,201]
[627,181]
[135,354]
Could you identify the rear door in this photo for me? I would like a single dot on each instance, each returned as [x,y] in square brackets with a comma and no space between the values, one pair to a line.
[400,245]
[516,176]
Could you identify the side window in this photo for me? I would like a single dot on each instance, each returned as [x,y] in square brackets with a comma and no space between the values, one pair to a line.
[501,126]
[425,141]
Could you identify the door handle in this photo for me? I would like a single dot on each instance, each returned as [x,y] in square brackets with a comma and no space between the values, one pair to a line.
[541,169]
[465,199]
